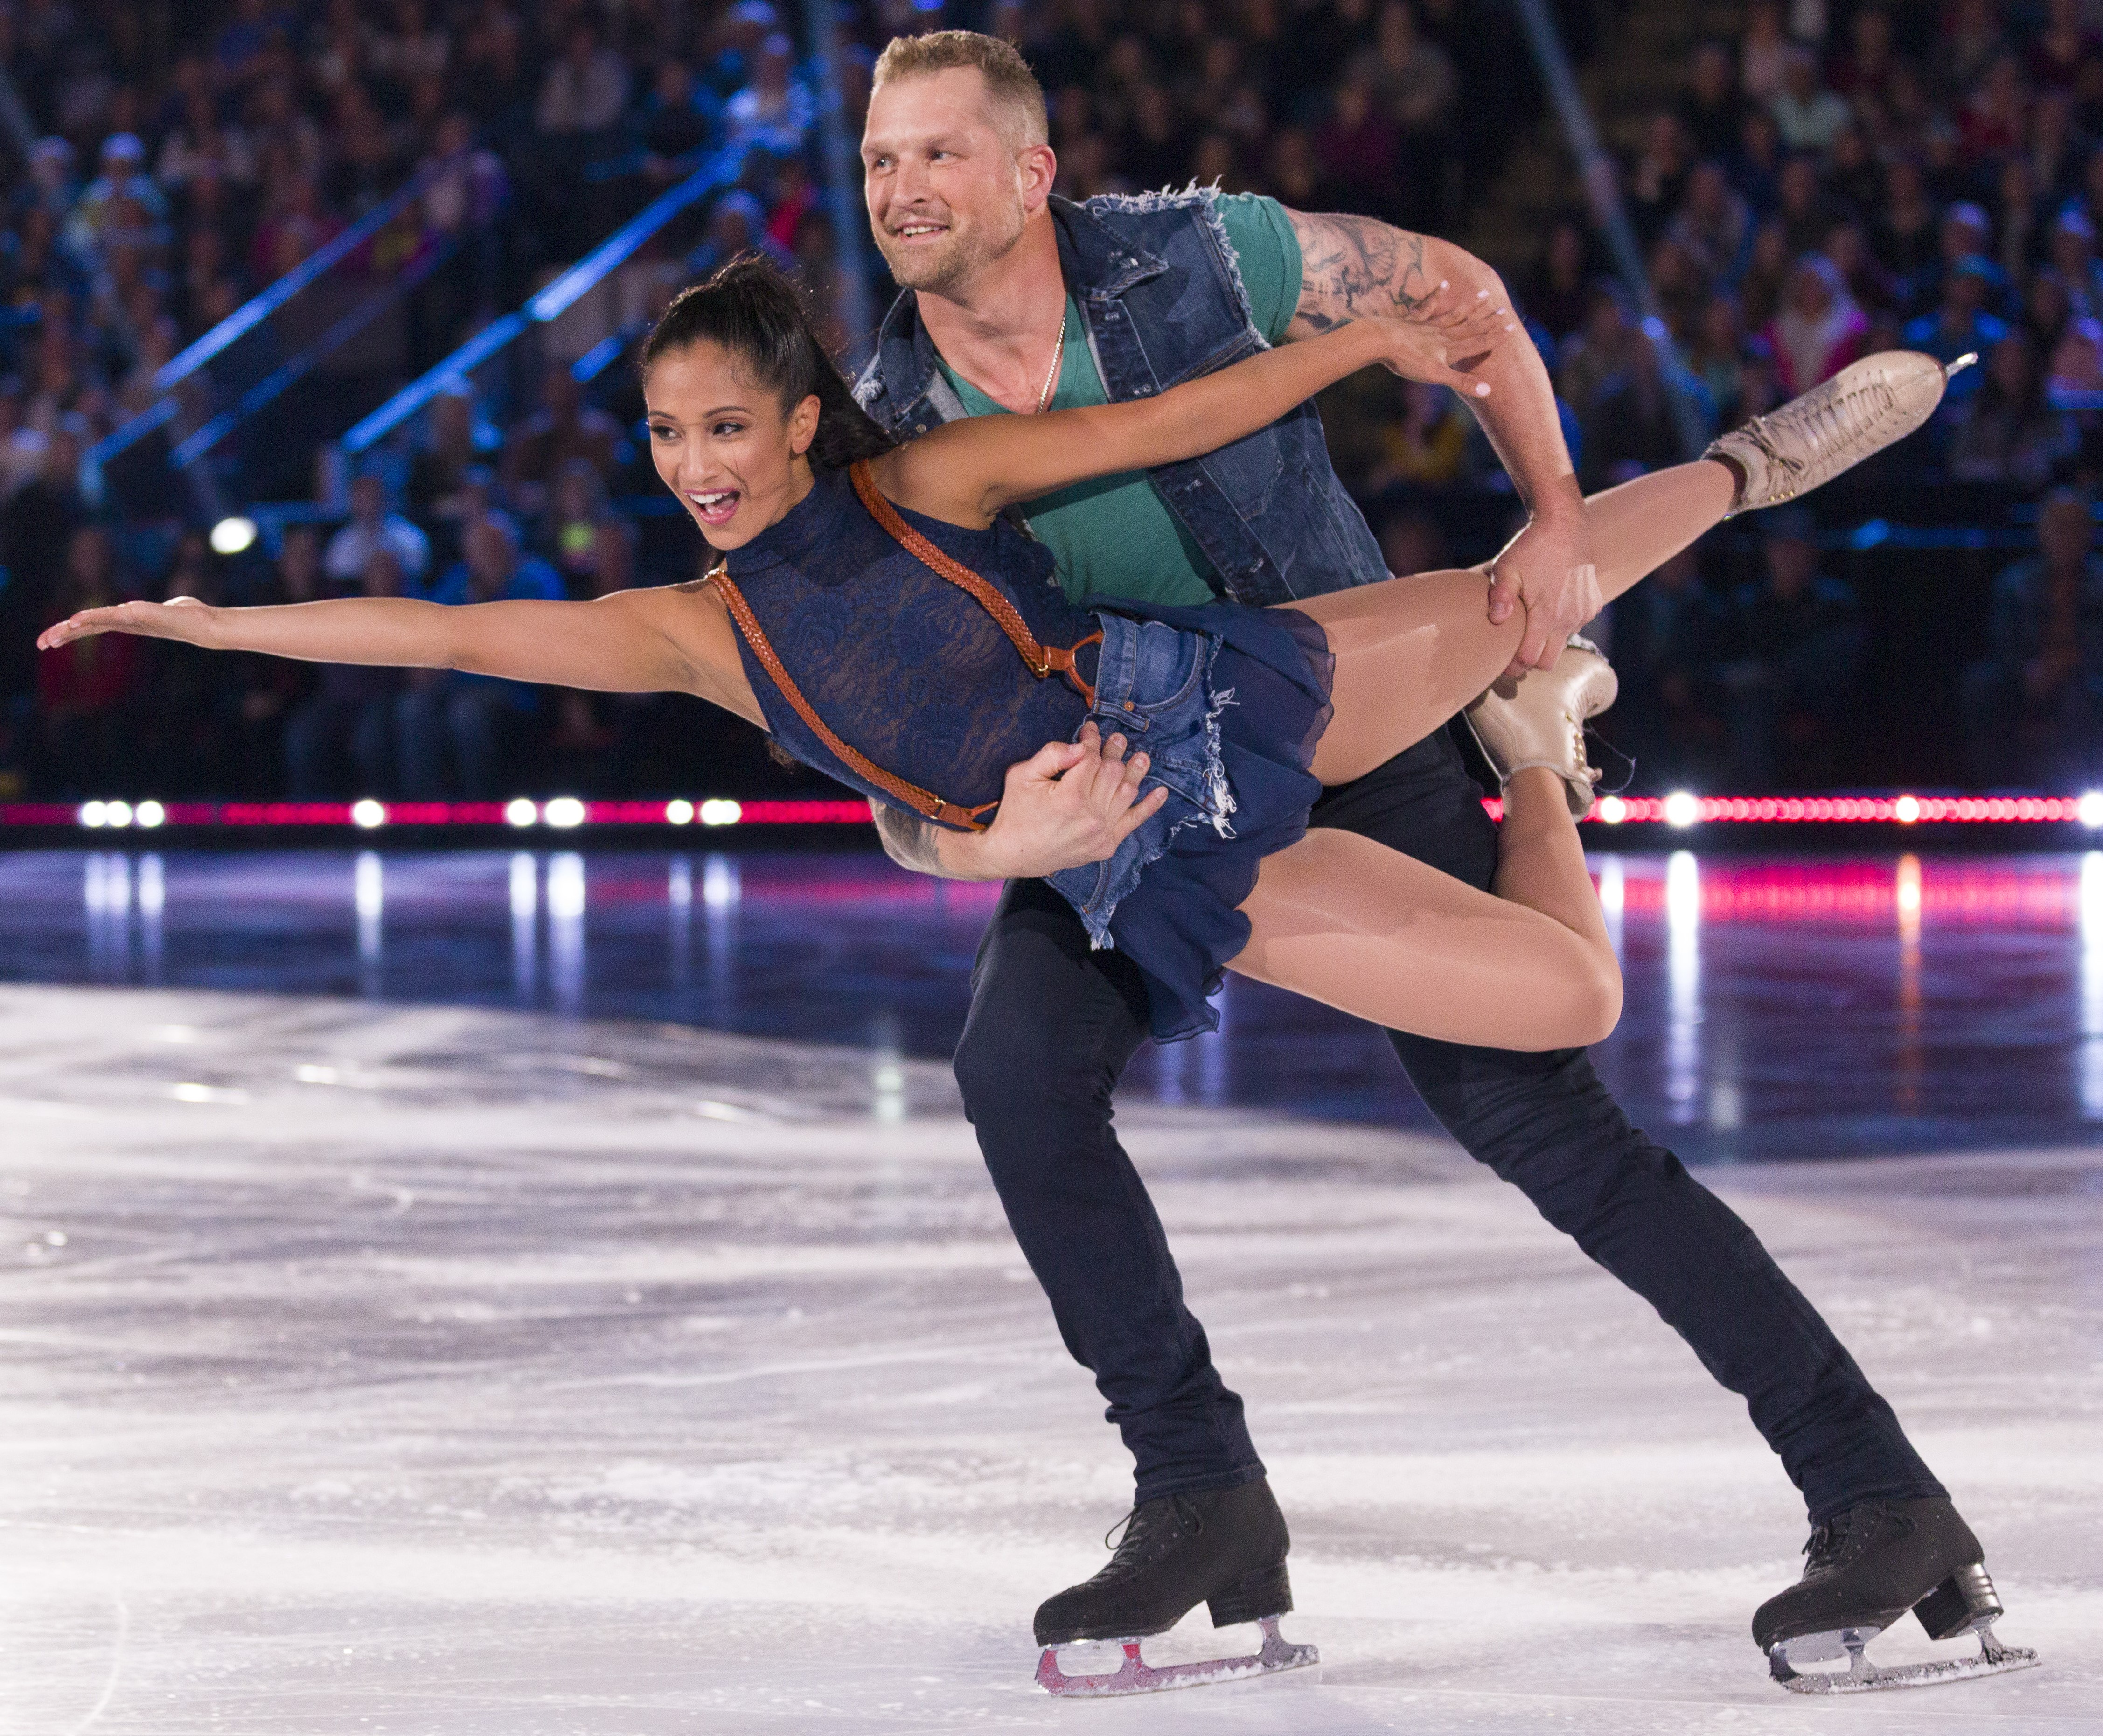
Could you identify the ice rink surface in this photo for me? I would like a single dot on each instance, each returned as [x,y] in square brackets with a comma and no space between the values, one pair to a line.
[425,1370]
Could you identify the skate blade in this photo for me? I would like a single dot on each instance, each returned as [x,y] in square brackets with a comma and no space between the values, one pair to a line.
[1136,1675]
[1861,1677]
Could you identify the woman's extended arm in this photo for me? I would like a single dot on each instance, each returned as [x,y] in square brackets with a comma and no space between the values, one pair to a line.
[672,639]
[966,471]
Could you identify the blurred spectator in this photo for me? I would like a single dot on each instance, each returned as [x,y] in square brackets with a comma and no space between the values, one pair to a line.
[1714,223]
[1427,446]
[85,690]
[340,742]
[1809,115]
[1562,289]
[2005,432]
[1718,357]
[1361,149]
[1664,635]
[579,522]
[456,441]
[373,525]
[1789,645]
[774,110]
[565,427]
[1818,330]
[457,731]
[1711,111]
[2076,360]
[1762,52]
[1659,180]
[1410,541]
[737,224]
[674,123]
[2074,259]
[1904,231]
[585,88]
[1766,273]
[2032,709]
[1961,325]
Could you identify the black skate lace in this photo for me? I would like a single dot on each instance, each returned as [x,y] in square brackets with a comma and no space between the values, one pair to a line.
[1139,1536]
[1828,1542]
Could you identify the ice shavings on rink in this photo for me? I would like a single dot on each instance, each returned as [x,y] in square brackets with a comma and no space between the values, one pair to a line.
[385,1369]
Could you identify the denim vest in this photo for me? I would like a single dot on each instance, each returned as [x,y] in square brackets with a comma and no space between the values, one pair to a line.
[1162,301]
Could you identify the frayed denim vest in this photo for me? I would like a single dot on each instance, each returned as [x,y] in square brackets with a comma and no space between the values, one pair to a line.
[1161,297]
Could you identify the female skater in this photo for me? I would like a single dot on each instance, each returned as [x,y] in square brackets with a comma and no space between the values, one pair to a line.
[871,607]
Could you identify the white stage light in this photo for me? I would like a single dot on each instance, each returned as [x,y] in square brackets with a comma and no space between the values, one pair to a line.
[2090,810]
[679,813]
[93,814]
[149,814]
[367,813]
[1682,807]
[116,813]
[232,536]
[1612,811]
[520,812]
[1906,810]
[721,812]
[564,812]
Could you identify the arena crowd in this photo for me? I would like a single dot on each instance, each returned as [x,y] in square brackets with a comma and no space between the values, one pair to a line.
[1829,179]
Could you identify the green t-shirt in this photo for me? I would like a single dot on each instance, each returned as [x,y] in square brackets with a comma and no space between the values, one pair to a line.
[1114,537]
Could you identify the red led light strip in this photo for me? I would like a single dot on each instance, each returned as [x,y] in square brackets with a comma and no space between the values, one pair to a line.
[564,814]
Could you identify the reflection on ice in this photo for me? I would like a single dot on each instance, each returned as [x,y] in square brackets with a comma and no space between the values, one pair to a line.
[525,906]
[565,930]
[1682,986]
[2090,1064]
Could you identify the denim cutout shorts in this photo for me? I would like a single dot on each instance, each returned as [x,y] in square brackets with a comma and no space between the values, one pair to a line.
[1154,687]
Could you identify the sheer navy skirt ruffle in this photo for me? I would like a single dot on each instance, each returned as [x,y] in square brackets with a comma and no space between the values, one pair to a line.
[1229,703]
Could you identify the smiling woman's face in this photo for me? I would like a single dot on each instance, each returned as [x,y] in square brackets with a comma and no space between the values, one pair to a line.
[722,444]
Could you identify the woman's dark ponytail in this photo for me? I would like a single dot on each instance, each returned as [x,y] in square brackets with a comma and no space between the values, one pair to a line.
[755,312]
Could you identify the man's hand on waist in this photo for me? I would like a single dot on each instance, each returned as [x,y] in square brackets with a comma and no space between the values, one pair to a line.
[1068,804]
[1547,571]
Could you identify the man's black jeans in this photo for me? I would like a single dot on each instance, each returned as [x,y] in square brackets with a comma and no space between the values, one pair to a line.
[1053,1025]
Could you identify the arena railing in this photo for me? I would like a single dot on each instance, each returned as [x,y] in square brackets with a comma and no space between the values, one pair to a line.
[497,345]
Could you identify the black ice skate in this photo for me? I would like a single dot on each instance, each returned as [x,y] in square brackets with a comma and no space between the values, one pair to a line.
[1867,1567]
[1224,1547]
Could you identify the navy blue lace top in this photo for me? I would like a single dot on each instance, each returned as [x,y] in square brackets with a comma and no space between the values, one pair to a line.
[903,665]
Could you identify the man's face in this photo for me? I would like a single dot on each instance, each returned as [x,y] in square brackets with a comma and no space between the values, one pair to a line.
[948,195]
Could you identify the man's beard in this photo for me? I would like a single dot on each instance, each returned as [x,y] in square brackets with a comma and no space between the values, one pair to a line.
[945,269]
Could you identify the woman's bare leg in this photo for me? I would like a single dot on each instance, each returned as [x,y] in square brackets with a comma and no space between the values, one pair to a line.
[1411,651]
[1344,920]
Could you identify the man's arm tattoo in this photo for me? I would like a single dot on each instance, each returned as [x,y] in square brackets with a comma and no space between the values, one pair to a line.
[1353,267]
[908,839]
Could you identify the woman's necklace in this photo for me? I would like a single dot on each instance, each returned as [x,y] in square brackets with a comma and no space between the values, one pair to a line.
[1058,355]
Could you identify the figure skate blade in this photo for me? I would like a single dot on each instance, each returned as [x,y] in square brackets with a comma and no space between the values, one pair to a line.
[1136,1675]
[1861,1677]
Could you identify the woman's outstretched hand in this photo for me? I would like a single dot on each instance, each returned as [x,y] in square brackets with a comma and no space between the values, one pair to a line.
[183,618]
[1447,337]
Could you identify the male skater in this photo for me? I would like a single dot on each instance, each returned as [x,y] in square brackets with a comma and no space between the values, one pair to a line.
[1015,301]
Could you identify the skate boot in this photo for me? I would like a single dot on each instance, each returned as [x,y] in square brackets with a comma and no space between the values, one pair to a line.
[1222,1547]
[1538,719]
[1810,440]
[1866,1568]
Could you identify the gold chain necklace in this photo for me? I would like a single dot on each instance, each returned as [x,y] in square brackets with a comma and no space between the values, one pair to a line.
[1058,355]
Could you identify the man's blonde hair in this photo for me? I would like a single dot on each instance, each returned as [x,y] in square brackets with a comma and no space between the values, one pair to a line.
[1013,95]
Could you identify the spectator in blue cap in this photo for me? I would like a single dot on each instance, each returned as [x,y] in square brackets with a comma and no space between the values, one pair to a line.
[1962,324]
